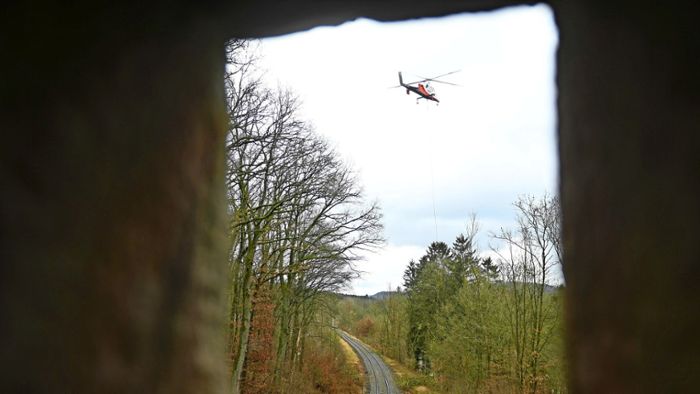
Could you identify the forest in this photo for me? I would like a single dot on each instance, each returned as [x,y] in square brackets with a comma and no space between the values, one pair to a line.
[297,220]
[469,322]
[463,321]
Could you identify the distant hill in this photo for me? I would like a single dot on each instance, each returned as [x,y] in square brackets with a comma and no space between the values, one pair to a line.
[377,296]
[549,289]
[383,294]
[343,295]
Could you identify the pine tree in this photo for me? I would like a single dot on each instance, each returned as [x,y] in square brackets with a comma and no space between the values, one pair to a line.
[410,275]
[490,268]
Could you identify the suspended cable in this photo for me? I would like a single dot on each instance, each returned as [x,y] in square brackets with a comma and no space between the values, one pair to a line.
[432,178]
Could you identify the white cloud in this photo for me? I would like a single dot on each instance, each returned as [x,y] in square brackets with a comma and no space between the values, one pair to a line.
[384,269]
[486,143]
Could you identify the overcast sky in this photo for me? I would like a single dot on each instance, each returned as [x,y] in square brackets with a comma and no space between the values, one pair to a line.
[486,143]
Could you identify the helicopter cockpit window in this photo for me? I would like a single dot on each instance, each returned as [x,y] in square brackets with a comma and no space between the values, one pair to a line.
[429,88]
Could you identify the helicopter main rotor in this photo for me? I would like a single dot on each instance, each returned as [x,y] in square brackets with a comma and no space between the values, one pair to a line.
[435,79]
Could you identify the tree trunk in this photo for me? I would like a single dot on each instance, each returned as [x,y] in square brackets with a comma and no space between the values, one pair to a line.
[247,315]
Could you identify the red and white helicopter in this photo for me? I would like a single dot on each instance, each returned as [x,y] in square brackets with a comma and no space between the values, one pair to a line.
[424,91]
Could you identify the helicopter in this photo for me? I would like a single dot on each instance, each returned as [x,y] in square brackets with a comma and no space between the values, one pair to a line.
[424,91]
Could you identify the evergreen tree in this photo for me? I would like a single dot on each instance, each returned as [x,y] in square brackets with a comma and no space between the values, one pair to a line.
[410,275]
[464,261]
[437,252]
[427,290]
[490,268]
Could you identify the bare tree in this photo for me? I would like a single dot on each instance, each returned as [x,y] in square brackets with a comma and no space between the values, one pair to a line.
[297,222]
[528,257]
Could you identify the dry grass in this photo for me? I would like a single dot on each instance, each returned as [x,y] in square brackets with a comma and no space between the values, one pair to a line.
[410,381]
[355,365]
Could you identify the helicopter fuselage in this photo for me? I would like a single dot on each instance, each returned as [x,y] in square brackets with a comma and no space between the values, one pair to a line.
[419,89]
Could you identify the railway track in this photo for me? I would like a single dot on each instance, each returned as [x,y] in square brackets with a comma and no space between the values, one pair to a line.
[379,377]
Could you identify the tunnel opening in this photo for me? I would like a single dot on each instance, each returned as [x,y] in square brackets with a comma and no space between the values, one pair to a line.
[112,201]
[489,148]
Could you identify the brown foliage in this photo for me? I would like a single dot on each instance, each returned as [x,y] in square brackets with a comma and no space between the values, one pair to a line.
[258,366]
[364,327]
[327,371]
